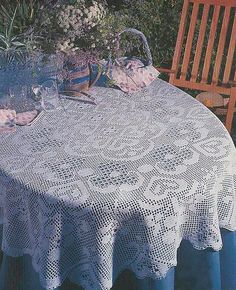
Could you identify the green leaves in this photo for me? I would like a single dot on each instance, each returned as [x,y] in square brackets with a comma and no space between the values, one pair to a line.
[71,2]
[9,30]
[159,21]
[17,19]
[25,14]
[9,40]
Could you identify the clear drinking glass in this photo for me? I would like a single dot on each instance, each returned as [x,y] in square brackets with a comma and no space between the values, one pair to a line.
[49,95]
[4,101]
[18,98]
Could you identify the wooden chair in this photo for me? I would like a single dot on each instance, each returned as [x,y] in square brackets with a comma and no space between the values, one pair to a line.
[210,24]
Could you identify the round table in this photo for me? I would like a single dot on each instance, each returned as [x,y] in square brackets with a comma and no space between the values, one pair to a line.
[88,191]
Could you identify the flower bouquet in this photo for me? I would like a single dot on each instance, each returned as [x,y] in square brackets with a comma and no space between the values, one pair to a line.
[83,31]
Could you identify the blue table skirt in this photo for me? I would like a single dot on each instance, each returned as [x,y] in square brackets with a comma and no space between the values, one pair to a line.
[196,270]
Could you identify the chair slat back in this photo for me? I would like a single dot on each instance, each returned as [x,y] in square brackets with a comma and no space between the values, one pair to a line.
[221,45]
[230,54]
[210,44]
[200,41]
[205,53]
[189,42]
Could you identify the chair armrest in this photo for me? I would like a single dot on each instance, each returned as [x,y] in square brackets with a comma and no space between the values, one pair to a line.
[229,84]
[165,70]
[232,83]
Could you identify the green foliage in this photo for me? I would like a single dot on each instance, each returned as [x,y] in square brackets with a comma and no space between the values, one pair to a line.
[159,21]
[24,17]
[8,40]
[105,33]
[16,27]
[27,13]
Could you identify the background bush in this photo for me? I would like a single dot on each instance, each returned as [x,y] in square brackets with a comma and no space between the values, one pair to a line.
[157,19]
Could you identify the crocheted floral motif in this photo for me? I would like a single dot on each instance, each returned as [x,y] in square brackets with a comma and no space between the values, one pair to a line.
[116,186]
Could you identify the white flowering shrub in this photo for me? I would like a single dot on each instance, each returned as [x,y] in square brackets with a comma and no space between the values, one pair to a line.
[76,27]
[76,22]
[80,18]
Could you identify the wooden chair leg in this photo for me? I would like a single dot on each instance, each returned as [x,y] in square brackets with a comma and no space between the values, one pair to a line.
[230,111]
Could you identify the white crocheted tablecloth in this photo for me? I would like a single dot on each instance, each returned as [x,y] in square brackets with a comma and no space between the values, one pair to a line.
[89,191]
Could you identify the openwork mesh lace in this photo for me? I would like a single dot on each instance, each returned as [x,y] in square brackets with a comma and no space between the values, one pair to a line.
[89,191]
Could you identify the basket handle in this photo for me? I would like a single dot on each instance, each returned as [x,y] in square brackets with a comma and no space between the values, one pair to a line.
[143,38]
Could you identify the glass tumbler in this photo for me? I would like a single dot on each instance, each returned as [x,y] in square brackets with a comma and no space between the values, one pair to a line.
[49,95]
